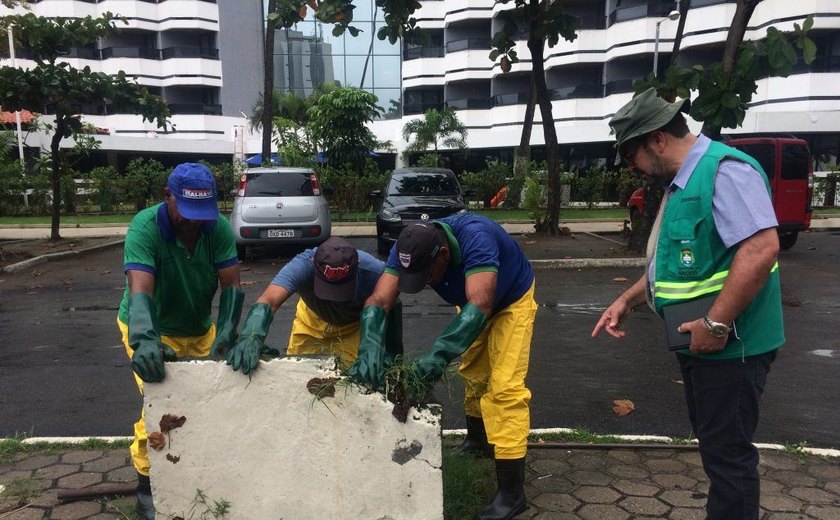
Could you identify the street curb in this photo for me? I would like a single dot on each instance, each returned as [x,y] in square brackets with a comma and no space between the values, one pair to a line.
[649,441]
[36,260]
[582,263]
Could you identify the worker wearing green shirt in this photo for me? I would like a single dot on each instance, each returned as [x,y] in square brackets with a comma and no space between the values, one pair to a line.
[177,254]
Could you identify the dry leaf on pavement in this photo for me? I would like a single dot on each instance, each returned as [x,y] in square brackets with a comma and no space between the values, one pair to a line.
[529,242]
[247,284]
[623,407]
[678,381]
[619,279]
[105,272]
[88,268]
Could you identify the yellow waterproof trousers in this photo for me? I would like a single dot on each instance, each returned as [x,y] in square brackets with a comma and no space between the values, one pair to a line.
[312,335]
[494,369]
[193,346]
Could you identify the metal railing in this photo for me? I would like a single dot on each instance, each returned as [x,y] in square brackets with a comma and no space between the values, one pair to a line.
[469,103]
[424,52]
[189,52]
[420,108]
[468,44]
[195,108]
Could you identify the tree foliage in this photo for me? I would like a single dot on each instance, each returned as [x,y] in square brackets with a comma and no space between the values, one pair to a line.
[724,96]
[54,87]
[339,119]
[437,129]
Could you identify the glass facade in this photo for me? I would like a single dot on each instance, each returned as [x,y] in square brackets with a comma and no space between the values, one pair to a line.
[308,55]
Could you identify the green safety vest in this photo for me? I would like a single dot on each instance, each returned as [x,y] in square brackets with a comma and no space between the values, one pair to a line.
[692,260]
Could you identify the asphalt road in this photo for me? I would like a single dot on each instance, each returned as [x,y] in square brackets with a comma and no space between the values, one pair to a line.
[63,371]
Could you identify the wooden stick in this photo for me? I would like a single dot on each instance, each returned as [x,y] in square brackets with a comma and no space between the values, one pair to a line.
[96,492]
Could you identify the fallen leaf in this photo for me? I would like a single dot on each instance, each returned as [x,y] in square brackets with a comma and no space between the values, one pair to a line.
[619,279]
[172,458]
[529,242]
[243,269]
[36,273]
[157,441]
[812,248]
[247,284]
[170,422]
[68,282]
[89,269]
[678,381]
[32,292]
[623,407]
[567,257]
[106,272]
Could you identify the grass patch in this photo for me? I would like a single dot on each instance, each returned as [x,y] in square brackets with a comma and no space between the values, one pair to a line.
[468,484]
[123,506]
[11,448]
[827,211]
[798,451]
[578,435]
[23,489]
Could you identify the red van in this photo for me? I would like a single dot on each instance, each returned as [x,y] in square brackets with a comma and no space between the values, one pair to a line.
[790,170]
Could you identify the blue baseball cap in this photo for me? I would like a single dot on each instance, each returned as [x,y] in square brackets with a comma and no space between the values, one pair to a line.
[194,190]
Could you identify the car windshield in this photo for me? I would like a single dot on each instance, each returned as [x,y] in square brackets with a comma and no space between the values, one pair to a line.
[278,184]
[425,183]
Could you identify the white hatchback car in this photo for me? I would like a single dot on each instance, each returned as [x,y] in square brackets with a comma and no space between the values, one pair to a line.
[277,205]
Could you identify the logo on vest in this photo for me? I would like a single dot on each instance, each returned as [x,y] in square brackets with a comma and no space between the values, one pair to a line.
[687,257]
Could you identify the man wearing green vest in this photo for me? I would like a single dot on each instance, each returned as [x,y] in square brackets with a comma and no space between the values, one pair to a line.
[177,254]
[714,237]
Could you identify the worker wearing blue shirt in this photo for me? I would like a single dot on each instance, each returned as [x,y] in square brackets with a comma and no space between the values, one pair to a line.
[333,282]
[473,264]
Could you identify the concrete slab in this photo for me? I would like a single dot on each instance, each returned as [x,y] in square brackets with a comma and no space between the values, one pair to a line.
[272,449]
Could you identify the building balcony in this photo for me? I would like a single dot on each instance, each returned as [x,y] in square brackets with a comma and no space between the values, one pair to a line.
[470,104]
[189,52]
[577,92]
[619,86]
[424,52]
[130,52]
[514,98]
[467,44]
[420,108]
[208,109]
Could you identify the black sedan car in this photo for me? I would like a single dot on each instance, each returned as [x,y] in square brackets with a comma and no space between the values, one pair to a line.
[415,195]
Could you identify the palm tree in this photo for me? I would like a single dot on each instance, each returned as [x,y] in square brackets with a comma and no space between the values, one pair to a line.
[437,129]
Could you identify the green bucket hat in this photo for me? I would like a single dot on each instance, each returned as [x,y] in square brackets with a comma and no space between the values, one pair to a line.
[643,114]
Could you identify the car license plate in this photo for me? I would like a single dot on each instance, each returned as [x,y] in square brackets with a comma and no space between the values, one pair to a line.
[281,233]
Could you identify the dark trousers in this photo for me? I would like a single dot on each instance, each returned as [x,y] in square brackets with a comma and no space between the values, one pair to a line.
[723,398]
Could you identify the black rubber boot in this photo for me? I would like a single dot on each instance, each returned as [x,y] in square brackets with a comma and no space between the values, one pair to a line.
[510,495]
[145,505]
[475,442]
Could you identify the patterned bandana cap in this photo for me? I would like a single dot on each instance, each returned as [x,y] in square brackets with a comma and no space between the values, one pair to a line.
[336,267]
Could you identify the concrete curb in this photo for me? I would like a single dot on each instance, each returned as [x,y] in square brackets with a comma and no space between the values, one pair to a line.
[30,262]
[581,263]
[648,440]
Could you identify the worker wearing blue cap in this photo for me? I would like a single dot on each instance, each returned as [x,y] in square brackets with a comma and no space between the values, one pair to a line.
[177,253]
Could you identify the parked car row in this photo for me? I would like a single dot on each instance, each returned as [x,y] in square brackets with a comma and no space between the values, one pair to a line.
[276,205]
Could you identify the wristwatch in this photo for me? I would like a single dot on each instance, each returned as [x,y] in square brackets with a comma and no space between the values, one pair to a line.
[716,329]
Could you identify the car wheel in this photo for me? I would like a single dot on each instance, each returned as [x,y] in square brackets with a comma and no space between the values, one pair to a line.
[787,240]
[383,247]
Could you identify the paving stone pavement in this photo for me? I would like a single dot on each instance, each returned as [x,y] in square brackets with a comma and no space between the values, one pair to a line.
[562,484]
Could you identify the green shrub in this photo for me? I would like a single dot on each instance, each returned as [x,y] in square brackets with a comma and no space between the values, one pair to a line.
[350,190]
[142,179]
[534,200]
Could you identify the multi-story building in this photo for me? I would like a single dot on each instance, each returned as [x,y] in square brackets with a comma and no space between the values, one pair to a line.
[204,58]
[591,77]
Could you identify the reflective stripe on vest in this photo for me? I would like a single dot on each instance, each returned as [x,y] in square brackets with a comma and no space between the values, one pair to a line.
[695,288]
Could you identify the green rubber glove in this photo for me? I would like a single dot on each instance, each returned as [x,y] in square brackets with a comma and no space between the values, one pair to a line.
[230,309]
[144,339]
[245,355]
[457,338]
[369,367]
[393,335]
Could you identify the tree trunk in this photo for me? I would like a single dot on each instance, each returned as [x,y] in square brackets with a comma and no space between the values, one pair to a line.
[743,13]
[523,153]
[55,177]
[552,213]
[268,85]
